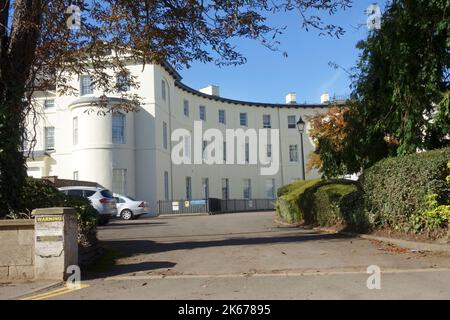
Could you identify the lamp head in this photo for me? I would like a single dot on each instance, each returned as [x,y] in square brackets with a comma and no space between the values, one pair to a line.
[301,125]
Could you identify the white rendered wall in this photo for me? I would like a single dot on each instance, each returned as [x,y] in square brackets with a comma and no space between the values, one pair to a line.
[143,154]
[236,174]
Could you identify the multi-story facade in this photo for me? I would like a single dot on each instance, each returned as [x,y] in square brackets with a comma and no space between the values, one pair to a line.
[130,153]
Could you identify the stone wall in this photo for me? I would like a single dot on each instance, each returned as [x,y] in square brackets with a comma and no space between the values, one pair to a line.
[17,249]
[42,248]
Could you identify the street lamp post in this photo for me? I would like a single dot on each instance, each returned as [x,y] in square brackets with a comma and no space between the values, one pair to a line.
[301,129]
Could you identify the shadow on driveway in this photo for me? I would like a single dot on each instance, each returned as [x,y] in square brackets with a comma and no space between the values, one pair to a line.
[130,247]
[116,270]
[120,224]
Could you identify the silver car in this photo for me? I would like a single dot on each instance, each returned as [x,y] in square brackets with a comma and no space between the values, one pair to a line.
[101,199]
[129,208]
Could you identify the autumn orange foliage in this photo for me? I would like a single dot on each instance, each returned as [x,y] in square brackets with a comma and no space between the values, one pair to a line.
[328,126]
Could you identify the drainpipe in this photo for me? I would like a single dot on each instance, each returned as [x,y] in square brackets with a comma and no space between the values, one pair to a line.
[169,137]
[281,148]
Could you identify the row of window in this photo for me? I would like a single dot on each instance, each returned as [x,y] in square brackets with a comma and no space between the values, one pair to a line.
[246,188]
[119,185]
[243,118]
[247,151]
[122,84]
[119,181]
[118,132]
[86,87]
[118,137]
[293,149]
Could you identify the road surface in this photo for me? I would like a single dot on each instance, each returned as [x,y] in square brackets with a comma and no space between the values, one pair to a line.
[249,256]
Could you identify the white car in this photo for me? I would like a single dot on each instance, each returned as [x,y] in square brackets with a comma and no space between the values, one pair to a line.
[102,200]
[129,208]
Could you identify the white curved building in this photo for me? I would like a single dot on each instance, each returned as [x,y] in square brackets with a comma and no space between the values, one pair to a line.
[130,153]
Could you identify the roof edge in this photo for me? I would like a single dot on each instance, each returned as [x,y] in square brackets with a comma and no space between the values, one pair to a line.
[186,88]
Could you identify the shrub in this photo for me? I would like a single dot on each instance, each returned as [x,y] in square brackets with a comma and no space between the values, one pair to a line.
[284,190]
[335,202]
[39,193]
[324,203]
[287,205]
[433,216]
[42,194]
[87,218]
[395,188]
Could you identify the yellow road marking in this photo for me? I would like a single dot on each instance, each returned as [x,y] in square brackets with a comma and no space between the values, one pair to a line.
[46,293]
[56,292]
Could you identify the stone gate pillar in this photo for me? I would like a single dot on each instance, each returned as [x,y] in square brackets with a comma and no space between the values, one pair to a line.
[56,242]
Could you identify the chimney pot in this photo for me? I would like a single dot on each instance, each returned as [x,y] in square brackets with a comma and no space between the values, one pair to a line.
[291,98]
[325,98]
[211,90]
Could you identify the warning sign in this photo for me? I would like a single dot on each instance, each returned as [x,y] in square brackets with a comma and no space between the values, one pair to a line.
[49,219]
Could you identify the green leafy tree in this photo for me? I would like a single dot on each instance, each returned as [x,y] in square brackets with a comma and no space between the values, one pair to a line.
[402,85]
[38,48]
[401,95]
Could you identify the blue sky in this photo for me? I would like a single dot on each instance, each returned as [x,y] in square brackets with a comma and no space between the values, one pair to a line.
[268,76]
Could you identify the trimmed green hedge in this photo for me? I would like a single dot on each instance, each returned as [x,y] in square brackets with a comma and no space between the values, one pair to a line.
[406,194]
[284,190]
[395,188]
[288,205]
[323,203]
[335,202]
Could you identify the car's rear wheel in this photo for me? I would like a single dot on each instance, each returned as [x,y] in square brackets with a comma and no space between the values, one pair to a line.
[126,214]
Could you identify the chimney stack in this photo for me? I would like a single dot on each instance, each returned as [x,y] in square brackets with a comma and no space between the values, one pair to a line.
[325,98]
[211,90]
[291,98]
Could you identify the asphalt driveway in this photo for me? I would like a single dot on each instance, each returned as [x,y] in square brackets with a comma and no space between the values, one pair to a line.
[249,256]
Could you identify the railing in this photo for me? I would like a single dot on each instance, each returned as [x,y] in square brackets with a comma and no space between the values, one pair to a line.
[215,206]
[183,206]
[240,205]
